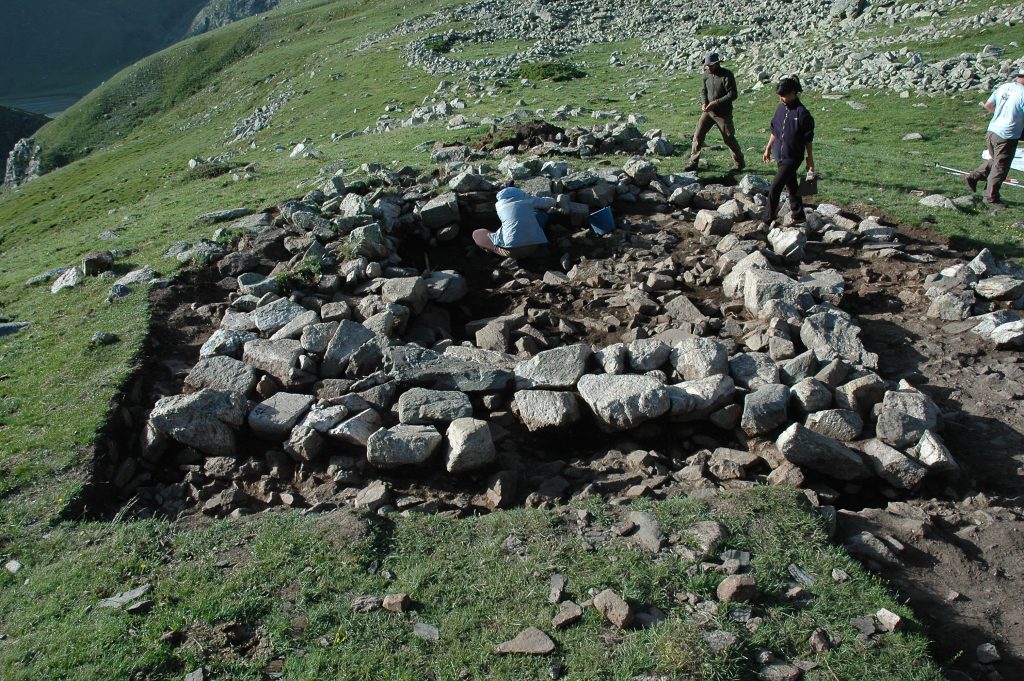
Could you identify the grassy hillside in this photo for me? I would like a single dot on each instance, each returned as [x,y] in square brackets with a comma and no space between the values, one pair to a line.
[134,183]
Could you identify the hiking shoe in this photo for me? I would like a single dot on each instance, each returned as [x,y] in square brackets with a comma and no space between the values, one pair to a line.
[995,205]
[971,183]
[690,167]
[737,167]
[797,217]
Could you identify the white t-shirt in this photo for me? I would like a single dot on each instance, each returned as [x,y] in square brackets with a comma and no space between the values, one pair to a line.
[1008,116]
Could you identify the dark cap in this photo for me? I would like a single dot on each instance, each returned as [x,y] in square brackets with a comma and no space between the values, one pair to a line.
[711,58]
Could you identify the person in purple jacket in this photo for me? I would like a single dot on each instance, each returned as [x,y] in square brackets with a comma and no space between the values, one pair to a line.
[792,137]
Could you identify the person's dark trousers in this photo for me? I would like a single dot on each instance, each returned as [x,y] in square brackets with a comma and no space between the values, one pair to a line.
[785,176]
[708,120]
[995,169]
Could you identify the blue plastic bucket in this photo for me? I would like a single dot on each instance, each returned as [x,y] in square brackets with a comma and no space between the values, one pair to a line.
[602,221]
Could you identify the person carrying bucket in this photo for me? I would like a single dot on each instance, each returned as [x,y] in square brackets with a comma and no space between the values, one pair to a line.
[520,233]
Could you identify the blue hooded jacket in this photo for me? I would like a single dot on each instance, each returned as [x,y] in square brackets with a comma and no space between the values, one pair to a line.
[517,212]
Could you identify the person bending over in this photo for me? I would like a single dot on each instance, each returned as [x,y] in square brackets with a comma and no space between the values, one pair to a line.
[792,136]
[520,234]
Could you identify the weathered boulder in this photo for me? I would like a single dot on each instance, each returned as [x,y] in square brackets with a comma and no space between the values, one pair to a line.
[204,420]
[838,424]
[279,358]
[764,409]
[271,317]
[712,223]
[423,407]
[358,429]
[932,453]
[647,354]
[408,291]
[440,211]
[402,445]
[751,370]
[894,466]
[697,357]
[698,399]
[540,409]
[222,373]
[819,453]
[762,286]
[624,401]
[226,342]
[832,334]
[349,337]
[904,417]
[470,446]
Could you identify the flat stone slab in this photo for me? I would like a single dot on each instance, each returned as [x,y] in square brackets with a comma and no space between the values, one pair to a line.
[222,373]
[278,414]
[554,369]
[530,641]
[413,365]
[424,407]
[402,446]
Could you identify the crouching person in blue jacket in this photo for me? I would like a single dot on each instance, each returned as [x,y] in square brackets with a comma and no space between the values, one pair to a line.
[520,234]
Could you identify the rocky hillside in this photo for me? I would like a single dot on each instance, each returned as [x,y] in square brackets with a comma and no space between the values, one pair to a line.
[14,125]
[219,13]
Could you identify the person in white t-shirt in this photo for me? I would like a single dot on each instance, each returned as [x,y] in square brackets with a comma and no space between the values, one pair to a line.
[1004,132]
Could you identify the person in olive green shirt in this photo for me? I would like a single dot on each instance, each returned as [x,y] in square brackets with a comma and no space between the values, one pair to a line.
[716,96]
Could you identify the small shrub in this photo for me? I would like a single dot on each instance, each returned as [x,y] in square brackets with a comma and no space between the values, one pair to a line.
[556,71]
[304,275]
[208,171]
[439,44]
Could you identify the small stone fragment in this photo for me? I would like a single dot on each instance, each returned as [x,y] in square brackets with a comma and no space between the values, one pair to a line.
[738,588]
[399,602]
[568,613]
[531,641]
[614,608]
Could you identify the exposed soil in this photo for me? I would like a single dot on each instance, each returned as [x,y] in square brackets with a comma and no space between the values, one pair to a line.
[964,537]
[522,136]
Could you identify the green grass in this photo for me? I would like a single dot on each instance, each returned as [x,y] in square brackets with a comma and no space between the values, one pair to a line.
[292,578]
[555,71]
[57,389]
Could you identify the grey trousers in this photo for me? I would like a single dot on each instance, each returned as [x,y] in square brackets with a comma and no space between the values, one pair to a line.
[994,170]
[708,120]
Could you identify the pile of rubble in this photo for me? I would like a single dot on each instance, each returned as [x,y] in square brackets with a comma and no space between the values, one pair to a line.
[336,374]
[989,295]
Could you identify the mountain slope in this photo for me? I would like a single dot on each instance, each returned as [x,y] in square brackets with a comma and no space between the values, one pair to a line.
[56,51]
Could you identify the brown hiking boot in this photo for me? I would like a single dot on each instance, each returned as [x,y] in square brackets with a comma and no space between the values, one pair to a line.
[971,183]
[737,167]
[690,167]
